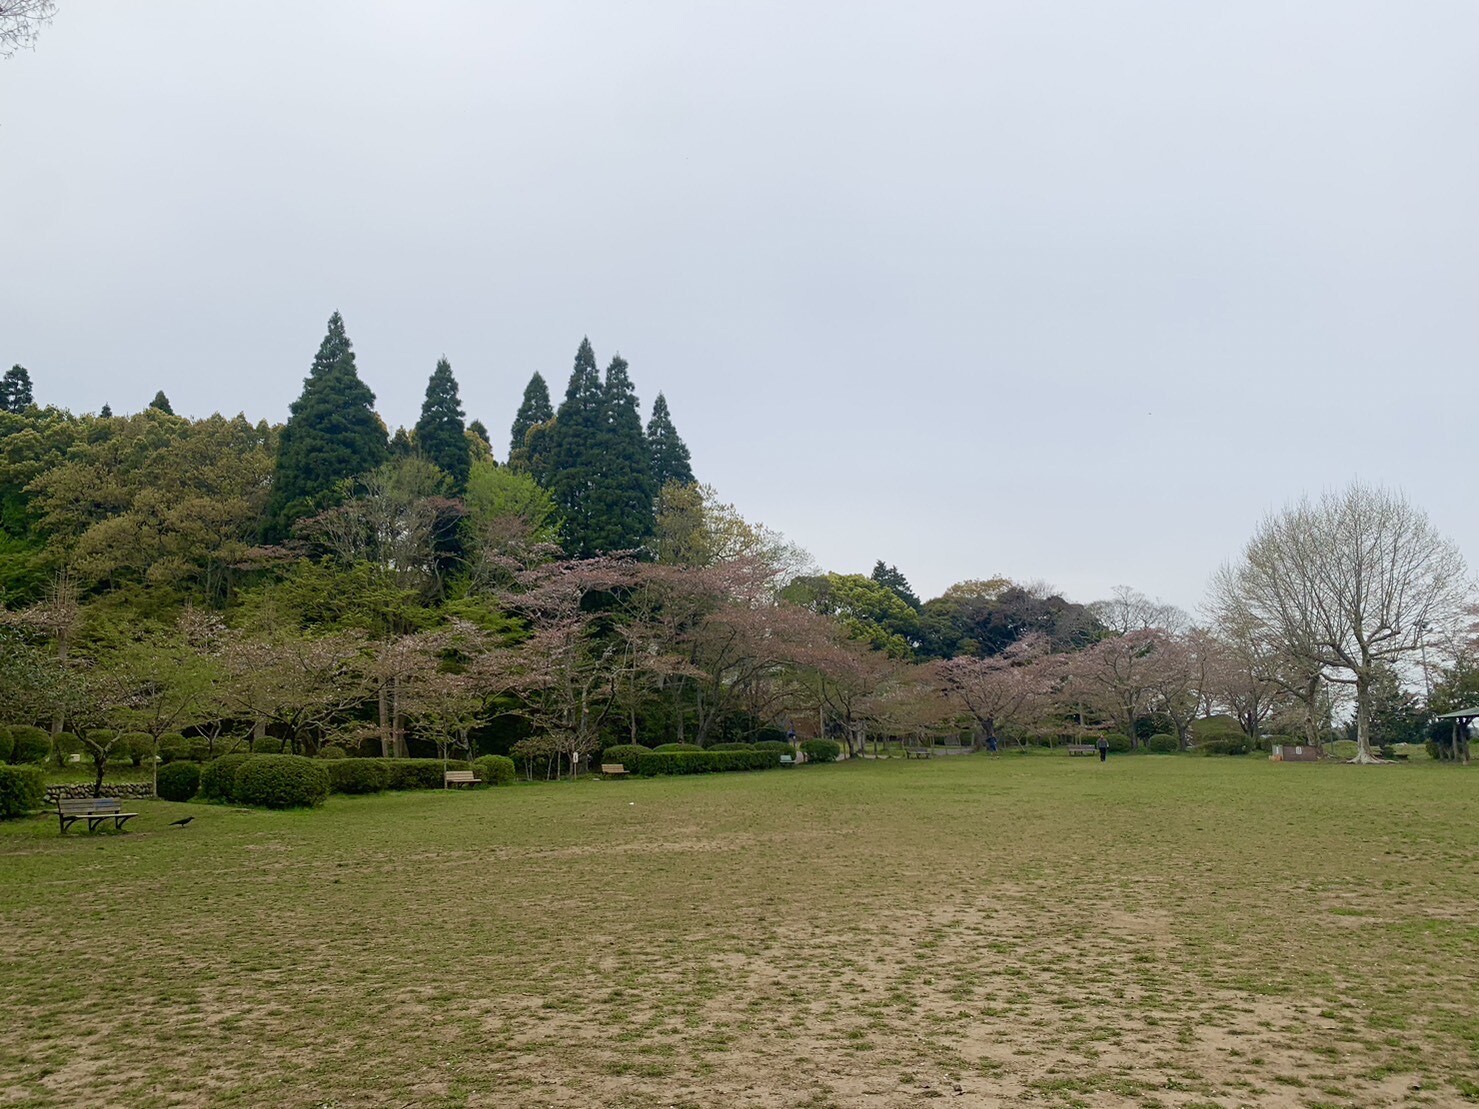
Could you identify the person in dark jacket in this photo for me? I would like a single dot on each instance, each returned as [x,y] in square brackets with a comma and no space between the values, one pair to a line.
[1103,746]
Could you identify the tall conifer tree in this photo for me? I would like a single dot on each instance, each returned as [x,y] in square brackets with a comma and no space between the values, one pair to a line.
[667,453]
[569,463]
[332,433]
[622,494]
[161,402]
[441,436]
[15,390]
[535,409]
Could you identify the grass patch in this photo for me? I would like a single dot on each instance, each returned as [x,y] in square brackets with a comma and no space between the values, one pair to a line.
[1045,930]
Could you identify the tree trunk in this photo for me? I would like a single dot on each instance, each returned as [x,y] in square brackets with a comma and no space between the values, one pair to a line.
[99,761]
[1363,721]
[387,741]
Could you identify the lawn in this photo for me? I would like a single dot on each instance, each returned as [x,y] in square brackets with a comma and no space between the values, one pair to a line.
[1157,931]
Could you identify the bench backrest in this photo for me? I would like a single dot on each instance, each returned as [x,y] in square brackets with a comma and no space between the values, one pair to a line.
[460,776]
[613,768]
[74,805]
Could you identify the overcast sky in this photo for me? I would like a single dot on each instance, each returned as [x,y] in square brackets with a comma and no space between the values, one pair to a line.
[1062,291]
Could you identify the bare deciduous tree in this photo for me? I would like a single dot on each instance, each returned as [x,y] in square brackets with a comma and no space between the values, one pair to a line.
[21,21]
[1350,583]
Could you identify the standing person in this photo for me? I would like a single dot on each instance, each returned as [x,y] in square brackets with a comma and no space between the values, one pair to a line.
[991,744]
[1103,746]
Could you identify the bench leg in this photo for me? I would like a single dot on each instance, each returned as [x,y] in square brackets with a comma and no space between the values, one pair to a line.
[120,821]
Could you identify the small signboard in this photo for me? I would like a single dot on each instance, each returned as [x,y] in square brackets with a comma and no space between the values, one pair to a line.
[1288,752]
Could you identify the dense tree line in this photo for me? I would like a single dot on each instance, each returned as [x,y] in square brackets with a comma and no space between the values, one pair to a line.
[328,583]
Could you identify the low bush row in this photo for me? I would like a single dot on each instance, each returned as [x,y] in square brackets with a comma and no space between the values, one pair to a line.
[291,781]
[821,750]
[702,762]
[22,790]
[23,744]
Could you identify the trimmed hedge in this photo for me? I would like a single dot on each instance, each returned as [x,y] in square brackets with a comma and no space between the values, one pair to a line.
[1162,744]
[178,781]
[63,746]
[218,777]
[730,747]
[1230,746]
[821,750]
[419,773]
[332,752]
[495,770]
[6,744]
[1119,743]
[655,763]
[628,754]
[267,745]
[28,744]
[136,746]
[22,790]
[281,782]
[677,747]
[357,775]
[173,747]
[775,746]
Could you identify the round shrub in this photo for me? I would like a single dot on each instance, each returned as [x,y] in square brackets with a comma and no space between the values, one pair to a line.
[348,775]
[332,752]
[1163,744]
[218,777]
[677,747]
[63,746]
[821,750]
[6,744]
[22,790]
[627,754]
[281,782]
[267,745]
[730,747]
[1120,744]
[774,746]
[419,773]
[179,781]
[135,746]
[494,770]
[1228,746]
[173,747]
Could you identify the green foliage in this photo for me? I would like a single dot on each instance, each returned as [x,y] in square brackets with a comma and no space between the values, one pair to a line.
[569,464]
[868,611]
[984,618]
[331,435]
[179,781]
[418,773]
[281,782]
[821,750]
[1225,745]
[135,746]
[15,390]
[628,755]
[268,745]
[22,790]
[6,744]
[495,770]
[896,583]
[1119,744]
[358,775]
[161,403]
[1216,728]
[535,409]
[332,752]
[775,746]
[730,747]
[497,495]
[662,763]
[668,458]
[63,746]
[218,777]
[441,435]
[28,744]
[174,747]
[677,747]
[1162,744]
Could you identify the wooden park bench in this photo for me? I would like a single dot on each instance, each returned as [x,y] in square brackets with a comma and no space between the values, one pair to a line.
[462,778]
[916,752]
[1081,749]
[788,760]
[94,810]
[612,768]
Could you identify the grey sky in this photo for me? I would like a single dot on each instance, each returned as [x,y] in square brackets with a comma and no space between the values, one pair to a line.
[1072,291]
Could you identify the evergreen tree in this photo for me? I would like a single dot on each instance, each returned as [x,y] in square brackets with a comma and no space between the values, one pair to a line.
[896,583]
[534,410]
[161,402]
[666,452]
[441,435]
[15,389]
[401,444]
[106,412]
[569,461]
[622,515]
[332,434]
[478,428]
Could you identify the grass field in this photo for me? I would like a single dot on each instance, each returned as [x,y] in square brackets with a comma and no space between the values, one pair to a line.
[1171,931]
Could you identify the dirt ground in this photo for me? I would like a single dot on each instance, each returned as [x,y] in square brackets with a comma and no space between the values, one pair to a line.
[1022,931]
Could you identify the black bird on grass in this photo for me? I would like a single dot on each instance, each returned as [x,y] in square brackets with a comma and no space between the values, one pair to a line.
[181,822]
